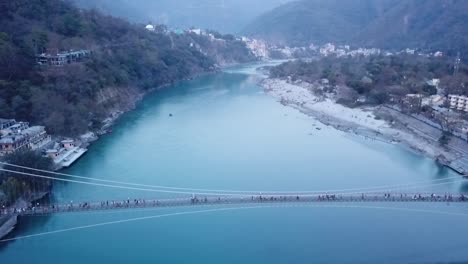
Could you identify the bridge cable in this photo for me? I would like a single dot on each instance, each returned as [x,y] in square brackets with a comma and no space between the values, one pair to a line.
[227,209]
[385,187]
[199,193]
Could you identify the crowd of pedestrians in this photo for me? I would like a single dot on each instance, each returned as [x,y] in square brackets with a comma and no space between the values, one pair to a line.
[194,200]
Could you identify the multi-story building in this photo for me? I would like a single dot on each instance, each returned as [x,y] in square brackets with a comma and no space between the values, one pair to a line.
[18,136]
[6,123]
[37,137]
[62,58]
[12,143]
[459,102]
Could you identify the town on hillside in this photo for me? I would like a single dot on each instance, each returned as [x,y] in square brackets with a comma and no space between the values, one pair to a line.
[20,136]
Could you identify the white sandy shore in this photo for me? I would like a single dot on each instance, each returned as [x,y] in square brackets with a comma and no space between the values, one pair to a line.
[360,121]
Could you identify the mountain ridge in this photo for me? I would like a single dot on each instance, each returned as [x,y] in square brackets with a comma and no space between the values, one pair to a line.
[391,24]
[227,16]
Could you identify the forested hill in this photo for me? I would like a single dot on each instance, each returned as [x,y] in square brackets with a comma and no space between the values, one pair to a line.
[320,21]
[222,15]
[126,59]
[435,24]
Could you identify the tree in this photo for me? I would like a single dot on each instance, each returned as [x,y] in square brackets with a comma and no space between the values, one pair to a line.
[444,139]
[69,25]
[8,58]
[446,123]
[16,186]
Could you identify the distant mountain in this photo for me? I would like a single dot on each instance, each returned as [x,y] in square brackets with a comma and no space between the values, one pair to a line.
[436,24]
[228,16]
[320,21]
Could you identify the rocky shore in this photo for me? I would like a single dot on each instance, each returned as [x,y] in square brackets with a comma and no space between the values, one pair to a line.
[370,122]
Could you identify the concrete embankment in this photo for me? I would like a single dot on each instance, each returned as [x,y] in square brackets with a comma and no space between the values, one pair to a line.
[7,224]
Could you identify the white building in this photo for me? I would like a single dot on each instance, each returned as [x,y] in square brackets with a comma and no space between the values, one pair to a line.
[434,82]
[438,54]
[150,27]
[258,47]
[434,100]
[327,49]
[197,31]
[459,102]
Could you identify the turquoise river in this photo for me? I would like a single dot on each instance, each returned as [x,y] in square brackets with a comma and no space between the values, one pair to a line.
[225,133]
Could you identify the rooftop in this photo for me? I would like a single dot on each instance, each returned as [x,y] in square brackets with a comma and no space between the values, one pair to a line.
[33,130]
[11,139]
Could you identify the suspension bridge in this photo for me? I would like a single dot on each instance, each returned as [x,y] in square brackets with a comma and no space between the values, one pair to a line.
[38,209]
[202,197]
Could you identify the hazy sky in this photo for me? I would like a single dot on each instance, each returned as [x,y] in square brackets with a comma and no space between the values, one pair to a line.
[224,15]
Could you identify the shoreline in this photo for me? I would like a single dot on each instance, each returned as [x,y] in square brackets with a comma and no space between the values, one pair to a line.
[8,224]
[367,122]
[114,115]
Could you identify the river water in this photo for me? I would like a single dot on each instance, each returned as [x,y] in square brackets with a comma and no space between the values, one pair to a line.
[226,134]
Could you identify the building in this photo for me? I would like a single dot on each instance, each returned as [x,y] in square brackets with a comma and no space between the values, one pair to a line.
[197,31]
[327,49]
[438,54]
[51,60]
[68,143]
[6,123]
[258,47]
[37,137]
[52,153]
[150,27]
[458,102]
[10,144]
[20,136]
[433,101]
[65,153]
[13,128]
[62,58]
[434,82]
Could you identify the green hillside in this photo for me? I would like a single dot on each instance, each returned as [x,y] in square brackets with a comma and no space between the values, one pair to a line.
[125,61]
[394,24]
[432,24]
[228,16]
[319,21]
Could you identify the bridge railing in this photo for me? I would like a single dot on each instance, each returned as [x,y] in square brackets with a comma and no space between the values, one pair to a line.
[41,209]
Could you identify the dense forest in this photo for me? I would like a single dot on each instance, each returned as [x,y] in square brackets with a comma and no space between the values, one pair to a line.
[389,24]
[125,61]
[300,23]
[378,78]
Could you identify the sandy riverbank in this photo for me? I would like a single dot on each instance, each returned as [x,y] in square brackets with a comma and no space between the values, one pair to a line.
[360,121]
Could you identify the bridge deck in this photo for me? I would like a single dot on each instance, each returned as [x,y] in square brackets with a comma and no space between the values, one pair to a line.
[234,200]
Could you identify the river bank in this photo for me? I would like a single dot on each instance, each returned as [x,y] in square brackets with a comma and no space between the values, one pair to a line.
[370,122]
[225,133]
[7,224]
